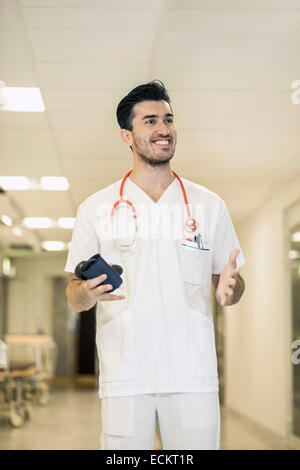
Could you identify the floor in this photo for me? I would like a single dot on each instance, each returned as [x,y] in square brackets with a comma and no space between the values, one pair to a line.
[71,420]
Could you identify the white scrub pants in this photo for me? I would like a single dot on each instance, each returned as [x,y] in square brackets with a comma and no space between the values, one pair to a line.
[187,421]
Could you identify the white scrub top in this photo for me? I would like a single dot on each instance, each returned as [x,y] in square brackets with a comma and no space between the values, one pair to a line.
[160,338]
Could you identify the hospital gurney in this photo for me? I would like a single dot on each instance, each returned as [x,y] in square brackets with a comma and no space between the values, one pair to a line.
[25,378]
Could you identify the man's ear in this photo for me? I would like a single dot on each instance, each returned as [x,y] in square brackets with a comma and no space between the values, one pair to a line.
[126,136]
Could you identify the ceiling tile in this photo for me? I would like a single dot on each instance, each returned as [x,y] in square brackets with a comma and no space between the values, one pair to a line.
[262,137]
[226,20]
[236,4]
[92,18]
[83,119]
[191,121]
[23,137]
[22,119]
[90,152]
[94,100]
[90,3]
[15,152]
[95,137]
[235,164]
[91,46]
[34,168]
[37,203]
[92,75]
[80,192]
[270,122]
[281,77]
[54,234]
[273,102]
[211,77]
[17,74]
[12,45]
[194,138]
[208,48]
[94,167]
[215,101]
[8,14]
[290,53]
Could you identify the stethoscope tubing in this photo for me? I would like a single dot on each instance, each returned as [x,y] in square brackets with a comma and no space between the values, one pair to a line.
[191,224]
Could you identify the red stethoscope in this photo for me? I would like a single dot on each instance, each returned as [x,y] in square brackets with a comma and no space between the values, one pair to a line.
[190,224]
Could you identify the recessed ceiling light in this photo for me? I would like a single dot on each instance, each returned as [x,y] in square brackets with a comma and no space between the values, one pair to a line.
[53,245]
[48,183]
[37,222]
[66,222]
[54,183]
[296,237]
[6,220]
[27,99]
[15,182]
[7,268]
[17,231]
[294,254]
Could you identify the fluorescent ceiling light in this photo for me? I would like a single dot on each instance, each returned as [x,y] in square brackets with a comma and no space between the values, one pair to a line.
[37,222]
[17,231]
[6,220]
[3,100]
[296,237]
[66,222]
[15,182]
[294,254]
[21,99]
[7,268]
[53,245]
[54,183]
[48,183]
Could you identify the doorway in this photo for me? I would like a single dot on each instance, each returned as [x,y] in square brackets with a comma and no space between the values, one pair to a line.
[293,289]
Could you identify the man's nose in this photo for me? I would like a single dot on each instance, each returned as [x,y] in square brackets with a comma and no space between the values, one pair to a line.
[162,128]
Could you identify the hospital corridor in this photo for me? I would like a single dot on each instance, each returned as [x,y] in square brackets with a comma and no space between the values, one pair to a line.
[71,422]
[149,225]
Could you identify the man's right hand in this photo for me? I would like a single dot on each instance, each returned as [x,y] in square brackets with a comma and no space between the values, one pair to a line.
[97,292]
[83,295]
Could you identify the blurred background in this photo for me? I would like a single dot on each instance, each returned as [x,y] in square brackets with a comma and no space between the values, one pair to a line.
[232,69]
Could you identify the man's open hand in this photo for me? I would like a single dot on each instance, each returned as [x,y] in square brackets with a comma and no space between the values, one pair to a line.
[231,285]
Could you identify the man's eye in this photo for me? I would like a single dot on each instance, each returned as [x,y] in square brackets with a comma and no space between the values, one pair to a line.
[150,121]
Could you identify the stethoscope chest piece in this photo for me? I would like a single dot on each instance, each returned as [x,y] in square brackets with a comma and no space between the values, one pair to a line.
[191,225]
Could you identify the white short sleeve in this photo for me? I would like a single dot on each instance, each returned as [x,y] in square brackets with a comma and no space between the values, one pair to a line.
[225,241]
[84,243]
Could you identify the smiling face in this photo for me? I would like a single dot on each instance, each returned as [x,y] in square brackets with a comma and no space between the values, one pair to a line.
[153,136]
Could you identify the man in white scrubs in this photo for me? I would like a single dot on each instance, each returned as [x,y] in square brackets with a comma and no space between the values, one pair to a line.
[155,334]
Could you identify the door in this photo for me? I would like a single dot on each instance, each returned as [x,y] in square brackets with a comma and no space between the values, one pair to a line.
[292,219]
[295,326]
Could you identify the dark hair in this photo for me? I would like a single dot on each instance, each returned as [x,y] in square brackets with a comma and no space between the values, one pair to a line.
[152,91]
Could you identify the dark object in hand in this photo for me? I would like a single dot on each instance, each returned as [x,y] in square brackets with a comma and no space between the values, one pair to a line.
[95,266]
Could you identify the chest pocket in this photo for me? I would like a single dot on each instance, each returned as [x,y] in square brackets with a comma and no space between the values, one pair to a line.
[195,264]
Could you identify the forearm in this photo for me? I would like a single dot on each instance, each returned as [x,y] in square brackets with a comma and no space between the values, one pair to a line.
[78,299]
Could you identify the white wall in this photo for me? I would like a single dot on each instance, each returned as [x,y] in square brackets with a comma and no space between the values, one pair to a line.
[29,297]
[258,328]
